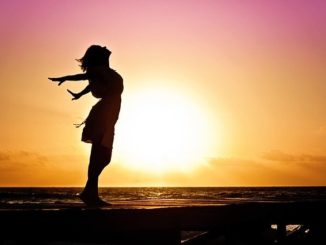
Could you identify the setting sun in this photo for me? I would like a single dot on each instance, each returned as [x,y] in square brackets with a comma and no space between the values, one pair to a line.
[163,130]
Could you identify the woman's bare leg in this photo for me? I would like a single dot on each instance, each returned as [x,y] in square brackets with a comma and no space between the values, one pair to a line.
[100,157]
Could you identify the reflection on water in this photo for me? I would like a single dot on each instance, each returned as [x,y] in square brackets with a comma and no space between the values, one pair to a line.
[165,195]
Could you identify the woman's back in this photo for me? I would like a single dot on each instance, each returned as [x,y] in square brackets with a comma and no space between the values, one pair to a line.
[104,81]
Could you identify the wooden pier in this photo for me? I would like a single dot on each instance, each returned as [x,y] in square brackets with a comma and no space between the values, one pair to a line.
[161,225]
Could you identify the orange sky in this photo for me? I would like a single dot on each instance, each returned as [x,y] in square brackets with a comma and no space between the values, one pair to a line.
[217,93]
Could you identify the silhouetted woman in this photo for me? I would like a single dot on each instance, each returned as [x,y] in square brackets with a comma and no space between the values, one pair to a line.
[107,85]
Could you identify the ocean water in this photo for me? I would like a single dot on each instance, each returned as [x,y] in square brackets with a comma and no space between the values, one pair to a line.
[165,195]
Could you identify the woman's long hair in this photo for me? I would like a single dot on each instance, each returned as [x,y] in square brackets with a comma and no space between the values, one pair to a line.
[94,56]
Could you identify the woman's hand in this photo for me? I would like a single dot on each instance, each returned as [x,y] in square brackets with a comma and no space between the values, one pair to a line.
[57,79]
[74,95]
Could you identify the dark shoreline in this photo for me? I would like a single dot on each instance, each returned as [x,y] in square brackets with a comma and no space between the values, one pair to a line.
[130,224]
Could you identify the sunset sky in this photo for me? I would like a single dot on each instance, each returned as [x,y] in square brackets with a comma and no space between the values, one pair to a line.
[217,92]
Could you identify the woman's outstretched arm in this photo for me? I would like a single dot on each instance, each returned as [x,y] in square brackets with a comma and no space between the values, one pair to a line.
[77,77]
[76,96]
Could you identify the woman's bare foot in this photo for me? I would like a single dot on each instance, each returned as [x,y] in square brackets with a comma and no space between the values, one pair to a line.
[102,203]
[87,199]
[93,201]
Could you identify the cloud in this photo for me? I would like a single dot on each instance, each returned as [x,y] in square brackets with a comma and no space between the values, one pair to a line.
[215,172]
[10,159]
[280,156]
[273,168]
[28,168]
[4,156]
[311,169]
[229,172]
[229,162]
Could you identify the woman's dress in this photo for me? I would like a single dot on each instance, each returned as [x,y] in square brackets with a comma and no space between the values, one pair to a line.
[107,85]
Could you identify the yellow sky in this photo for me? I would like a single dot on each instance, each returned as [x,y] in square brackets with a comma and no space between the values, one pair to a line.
[216,93]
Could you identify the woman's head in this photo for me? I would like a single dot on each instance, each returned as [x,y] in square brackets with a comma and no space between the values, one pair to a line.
[95,55]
